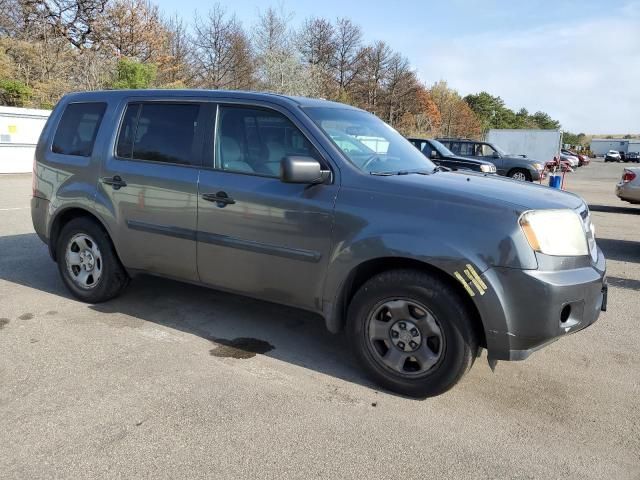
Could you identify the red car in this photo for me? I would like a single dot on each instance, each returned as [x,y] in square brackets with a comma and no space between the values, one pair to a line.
[583,159]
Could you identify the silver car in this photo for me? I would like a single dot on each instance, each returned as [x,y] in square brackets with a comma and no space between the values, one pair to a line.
[628,188]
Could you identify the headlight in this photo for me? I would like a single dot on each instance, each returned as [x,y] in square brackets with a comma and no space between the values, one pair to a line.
[488,168]
[555,232]
[538,166]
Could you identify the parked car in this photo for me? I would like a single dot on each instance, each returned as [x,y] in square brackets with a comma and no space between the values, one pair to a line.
[514,166]
[441,155]
[572,160]
[628,188]
[558,164]
[612,156]
[582,159]
[632,157]
[254,193]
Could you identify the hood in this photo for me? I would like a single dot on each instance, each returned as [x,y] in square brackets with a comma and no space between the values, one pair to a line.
[464,187]
[518,158]
[479,161]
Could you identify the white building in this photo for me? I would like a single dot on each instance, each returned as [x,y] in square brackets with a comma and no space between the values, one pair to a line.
[19,132]
[600,146]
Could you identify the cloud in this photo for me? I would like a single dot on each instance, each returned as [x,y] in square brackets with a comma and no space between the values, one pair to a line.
[586,73]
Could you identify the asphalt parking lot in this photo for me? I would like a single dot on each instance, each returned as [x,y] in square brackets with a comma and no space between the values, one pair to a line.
[159,383]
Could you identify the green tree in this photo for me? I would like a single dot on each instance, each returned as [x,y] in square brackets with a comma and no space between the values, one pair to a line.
[14,93]
[545,122]
[489,109]
[131,74]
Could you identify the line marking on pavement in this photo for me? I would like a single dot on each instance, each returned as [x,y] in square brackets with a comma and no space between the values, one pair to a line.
[11,209]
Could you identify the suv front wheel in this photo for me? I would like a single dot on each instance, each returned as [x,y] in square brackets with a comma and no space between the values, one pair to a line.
[411,332]
[88,262]
[520,175]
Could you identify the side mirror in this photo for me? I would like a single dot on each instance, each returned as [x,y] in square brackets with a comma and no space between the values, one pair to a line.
[495,154]
[307,170]
[433,154]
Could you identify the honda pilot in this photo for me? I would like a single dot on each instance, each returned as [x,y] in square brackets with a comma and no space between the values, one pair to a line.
[319,206]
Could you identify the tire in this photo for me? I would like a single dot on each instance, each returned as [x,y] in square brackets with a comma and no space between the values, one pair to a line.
[449,355]
[520,174]
[84,250]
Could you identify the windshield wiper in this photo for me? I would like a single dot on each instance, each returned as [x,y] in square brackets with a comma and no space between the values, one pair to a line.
[400,172]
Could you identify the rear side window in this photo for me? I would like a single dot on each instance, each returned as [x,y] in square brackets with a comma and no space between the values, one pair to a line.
[78,128]
[159,132]
[466,149]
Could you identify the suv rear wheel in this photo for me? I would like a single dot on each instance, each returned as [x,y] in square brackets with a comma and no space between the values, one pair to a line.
[411,332]
[88,262]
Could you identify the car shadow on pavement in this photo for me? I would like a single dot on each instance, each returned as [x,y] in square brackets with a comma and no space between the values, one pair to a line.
[621,250]
[627,283]
[611,209]
[234,326]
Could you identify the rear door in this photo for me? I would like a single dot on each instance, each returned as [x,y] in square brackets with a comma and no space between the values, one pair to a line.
[257,235]
[150,185]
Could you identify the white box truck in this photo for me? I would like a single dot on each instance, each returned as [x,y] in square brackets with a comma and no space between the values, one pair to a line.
[541,145]
[20,130]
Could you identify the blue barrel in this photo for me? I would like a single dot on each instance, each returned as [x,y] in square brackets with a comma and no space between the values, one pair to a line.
[555,181]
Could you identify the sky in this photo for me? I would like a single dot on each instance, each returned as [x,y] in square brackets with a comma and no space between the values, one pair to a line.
[579,61]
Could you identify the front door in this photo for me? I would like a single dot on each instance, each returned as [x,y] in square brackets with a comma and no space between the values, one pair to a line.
[151,181]
[257,235]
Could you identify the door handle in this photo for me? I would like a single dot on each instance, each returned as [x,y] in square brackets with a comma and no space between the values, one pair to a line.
[116,182]
[221,198]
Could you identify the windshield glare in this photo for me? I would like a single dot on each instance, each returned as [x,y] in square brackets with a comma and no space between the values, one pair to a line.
[442,150]
[368,142]
[499,150]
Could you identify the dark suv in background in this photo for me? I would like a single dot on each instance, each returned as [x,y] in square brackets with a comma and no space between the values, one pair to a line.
[514,166]
[441,155]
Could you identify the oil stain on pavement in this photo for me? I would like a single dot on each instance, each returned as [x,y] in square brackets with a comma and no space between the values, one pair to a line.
[241,348]
[3,322]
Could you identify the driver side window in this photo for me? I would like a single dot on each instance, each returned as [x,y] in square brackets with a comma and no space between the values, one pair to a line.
[254,141]
[485,150]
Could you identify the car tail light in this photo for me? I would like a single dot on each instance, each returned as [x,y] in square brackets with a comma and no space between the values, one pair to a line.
[627,176]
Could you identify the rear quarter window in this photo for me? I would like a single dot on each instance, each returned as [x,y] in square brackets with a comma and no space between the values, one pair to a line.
[77,130]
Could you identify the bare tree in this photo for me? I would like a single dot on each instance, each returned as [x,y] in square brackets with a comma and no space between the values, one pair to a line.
[316,42]
[401,86]
[373,75]
[222,55]
[73,20]
[348,53]
[175,64]
[133,29]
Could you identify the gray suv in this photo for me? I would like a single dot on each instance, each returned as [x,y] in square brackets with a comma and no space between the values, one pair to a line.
[513,166]
[319,206]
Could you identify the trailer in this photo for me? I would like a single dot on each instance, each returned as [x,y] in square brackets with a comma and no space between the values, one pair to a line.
[600,146]
[542,145]
[633,146]
[20,130]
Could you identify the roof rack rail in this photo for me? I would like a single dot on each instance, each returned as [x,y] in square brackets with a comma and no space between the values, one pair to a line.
[457,138]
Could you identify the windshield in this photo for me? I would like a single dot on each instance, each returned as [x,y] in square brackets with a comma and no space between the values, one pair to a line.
[369,143]
[500,151]
[442,150]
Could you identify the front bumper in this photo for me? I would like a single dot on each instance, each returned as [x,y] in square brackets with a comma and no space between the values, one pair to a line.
[528,309]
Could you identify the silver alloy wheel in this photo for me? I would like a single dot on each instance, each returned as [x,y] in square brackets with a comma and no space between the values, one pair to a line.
[520,176]
[405,337]
[84,261]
